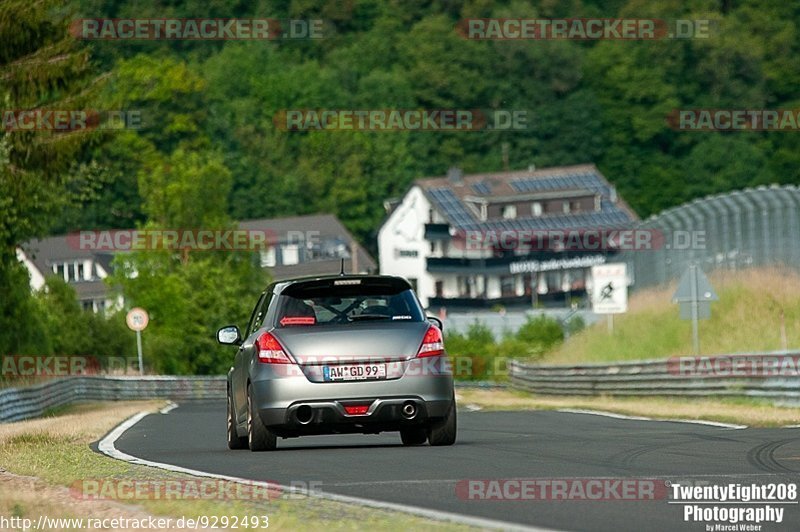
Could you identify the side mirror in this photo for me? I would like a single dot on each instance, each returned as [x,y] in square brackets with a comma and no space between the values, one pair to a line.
[436,321]
[229,335]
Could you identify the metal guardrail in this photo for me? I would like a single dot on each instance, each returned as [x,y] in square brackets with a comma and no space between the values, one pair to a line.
[32,401]
[659,378]
[637,378]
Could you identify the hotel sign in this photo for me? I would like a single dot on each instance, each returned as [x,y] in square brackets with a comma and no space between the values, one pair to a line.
[407,253]
[536,266]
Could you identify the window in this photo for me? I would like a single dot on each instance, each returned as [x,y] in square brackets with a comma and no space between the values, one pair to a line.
[267,257]
[536,208]
[508,286]
[509,212]
[290,255]
[313,304]
[57,269]
[575,206]
[335,248]
[565,207]
[259,312]
[465,286]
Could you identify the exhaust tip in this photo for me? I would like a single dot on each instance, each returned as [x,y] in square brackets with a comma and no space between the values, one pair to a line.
[409,410]
[304,414]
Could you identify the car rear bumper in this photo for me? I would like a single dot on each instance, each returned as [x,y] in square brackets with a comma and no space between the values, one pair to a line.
[327,417]
[293,405]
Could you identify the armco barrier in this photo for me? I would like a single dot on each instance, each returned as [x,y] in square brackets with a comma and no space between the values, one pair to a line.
[32,401]
[654,378]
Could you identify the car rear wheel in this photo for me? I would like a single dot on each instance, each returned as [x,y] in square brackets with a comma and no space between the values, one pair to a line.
[259,437]
[234,440]
[413,436]
[444,432]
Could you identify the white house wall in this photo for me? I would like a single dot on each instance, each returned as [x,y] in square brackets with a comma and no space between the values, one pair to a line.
[404,231]
[36,277]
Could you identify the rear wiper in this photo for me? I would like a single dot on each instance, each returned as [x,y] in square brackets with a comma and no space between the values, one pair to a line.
[365,317]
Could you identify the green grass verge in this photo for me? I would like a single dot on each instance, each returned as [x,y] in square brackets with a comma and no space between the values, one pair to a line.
[756,311]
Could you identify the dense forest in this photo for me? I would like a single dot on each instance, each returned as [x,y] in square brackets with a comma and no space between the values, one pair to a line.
[588,101]
[208,151]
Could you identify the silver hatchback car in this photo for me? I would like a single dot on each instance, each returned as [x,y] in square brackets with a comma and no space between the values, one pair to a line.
[339,354]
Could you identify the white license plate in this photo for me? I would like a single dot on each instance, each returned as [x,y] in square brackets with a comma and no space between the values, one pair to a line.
[354,372]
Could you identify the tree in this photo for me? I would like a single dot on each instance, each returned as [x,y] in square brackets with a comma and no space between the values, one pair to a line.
[184,185]
[41,67]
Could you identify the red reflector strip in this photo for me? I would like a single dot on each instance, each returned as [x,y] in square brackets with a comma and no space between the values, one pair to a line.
[356,410]
[287,320]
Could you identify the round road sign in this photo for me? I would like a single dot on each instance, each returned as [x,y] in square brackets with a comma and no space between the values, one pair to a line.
[137,319]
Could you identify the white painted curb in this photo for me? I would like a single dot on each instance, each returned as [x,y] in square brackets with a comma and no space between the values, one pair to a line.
[640,418]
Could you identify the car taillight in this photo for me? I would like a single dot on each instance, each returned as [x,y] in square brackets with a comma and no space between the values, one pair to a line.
[432,343]
[356,410]
[270,351]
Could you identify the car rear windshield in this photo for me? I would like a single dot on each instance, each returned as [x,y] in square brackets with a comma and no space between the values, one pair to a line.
[347,301]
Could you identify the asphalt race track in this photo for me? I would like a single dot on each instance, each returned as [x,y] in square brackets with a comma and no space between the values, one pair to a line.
[495,445]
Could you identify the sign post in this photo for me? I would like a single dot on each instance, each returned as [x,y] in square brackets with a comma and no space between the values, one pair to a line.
[610,290]
[694,294]
[137,320]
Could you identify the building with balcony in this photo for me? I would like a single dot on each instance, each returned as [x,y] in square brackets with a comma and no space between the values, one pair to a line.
[477,241]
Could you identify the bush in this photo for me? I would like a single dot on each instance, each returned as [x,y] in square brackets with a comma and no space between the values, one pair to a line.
[575,325]
[478,355]
[541,332]
[70,331]
[470,352]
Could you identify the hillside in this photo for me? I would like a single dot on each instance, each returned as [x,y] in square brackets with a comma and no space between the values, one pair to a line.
[604,102]
[746,318]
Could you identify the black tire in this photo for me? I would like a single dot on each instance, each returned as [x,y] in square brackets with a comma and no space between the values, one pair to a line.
[413,436]
[259,437]
[444,432]
[234,440]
